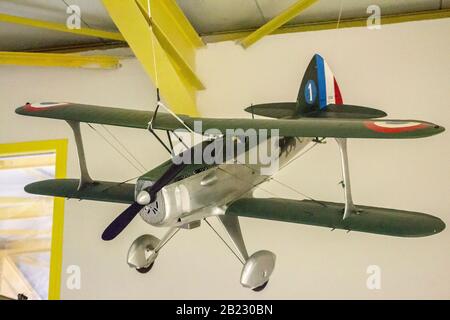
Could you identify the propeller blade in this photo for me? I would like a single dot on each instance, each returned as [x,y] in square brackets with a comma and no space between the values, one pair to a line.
[165,179]
[121,221]
[125,217]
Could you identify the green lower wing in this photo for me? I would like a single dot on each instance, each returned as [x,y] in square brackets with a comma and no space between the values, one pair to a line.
[98,191]
[328,214]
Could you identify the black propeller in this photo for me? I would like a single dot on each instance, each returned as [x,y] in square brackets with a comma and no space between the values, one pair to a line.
[125,217]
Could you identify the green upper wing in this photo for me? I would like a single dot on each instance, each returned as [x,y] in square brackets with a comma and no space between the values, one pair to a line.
[384,221]
[303,127]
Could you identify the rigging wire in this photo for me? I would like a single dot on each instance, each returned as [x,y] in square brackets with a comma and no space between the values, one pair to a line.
[115,148]
[257,185]
[124,147]
[223,240]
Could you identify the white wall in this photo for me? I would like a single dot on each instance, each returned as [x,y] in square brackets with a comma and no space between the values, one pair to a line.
[402,69]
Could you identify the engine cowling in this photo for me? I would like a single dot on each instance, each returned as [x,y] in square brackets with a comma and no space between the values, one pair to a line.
[154,213]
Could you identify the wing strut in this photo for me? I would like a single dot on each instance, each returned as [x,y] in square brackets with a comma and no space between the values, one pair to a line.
[349,206]
[233,229]
[85,177]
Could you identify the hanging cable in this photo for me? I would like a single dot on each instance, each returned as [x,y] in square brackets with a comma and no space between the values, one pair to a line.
[152,35]
[340,14]
[223,240]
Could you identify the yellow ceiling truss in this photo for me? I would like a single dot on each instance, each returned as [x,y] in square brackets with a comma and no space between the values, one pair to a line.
[61,27]
[277,22]
[327,25]
[59,60]
[165,43]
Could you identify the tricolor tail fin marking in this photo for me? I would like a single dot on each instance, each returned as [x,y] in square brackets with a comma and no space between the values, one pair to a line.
[319,87]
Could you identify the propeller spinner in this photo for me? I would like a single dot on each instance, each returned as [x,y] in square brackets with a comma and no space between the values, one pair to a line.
[145,197]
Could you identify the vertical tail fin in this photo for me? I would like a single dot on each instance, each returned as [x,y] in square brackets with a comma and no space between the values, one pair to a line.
[319,96]
[319,87]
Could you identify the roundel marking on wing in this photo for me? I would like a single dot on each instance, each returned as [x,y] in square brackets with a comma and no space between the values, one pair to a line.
[43,105]
[394,126]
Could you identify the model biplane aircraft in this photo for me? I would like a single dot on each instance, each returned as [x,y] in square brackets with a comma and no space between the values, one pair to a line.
[182,195]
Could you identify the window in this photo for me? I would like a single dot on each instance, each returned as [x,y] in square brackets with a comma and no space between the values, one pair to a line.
[30,225]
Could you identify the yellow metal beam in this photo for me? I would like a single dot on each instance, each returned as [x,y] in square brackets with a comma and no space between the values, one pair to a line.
[178,90]
[178,18]
[277,22]
[58,60]
[327,25]
[60,27]
[172,39]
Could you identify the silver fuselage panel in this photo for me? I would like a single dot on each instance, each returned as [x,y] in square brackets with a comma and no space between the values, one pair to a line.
[208,192]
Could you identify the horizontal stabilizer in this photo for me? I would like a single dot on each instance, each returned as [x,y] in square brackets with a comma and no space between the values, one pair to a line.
[97,191]
[289,110]
[346,111]
[383,221]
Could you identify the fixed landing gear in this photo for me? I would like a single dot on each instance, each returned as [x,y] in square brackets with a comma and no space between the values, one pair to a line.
[144,250]
[141,254]
[259,266]
[257,270]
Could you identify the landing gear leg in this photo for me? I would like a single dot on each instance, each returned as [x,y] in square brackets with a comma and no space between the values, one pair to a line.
[259,266]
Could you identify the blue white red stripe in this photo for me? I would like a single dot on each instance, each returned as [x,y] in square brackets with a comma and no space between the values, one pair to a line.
[329,92]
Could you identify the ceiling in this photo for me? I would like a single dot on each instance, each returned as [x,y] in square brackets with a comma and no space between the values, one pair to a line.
[207,16]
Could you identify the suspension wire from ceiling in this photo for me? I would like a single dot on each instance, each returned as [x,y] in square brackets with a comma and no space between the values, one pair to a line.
[153,39]
[223,240]
[124,147]
[264,19]
[340,14]
[115,148]
[82,20]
